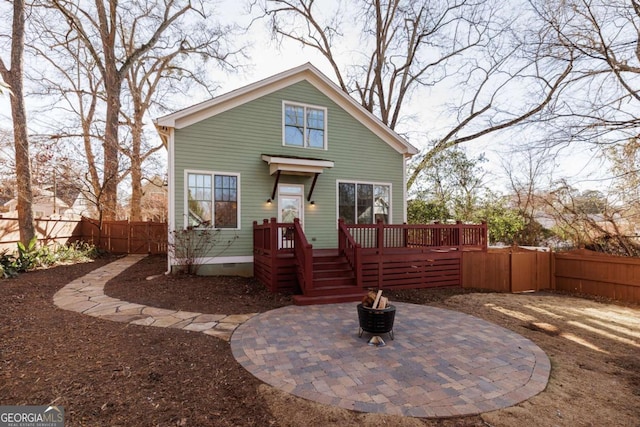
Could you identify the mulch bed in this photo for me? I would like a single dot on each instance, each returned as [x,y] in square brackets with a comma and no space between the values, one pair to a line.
[147,284]
[112,374]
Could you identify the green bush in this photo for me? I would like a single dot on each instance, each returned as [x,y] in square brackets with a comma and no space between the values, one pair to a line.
[28,256]
[7,265]
[33,256]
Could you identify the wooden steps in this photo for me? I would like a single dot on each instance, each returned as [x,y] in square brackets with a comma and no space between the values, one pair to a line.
[333,281]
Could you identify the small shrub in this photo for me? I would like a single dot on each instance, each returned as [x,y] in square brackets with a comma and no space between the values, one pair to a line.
[191,243]
[75,252]
[29,255]
[33,256]
[7,265]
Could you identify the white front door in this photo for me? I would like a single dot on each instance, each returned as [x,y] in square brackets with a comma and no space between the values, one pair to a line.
[290,206]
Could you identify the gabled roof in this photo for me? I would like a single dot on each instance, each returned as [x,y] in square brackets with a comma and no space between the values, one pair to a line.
[308,72]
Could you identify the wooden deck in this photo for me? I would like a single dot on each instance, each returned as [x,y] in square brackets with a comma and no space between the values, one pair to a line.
[380,256]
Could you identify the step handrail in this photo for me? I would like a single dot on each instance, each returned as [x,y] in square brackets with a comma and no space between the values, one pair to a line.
[303,253]
[351,250]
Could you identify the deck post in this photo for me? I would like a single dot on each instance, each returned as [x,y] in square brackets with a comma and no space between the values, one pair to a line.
[485,236]
[273,245]
[379,236]
[408,235]
[255,224]
[380,248]
[459,230]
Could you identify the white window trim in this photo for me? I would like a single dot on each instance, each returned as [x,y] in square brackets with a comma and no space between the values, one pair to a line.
[213,174]
[348,181]
[316,107]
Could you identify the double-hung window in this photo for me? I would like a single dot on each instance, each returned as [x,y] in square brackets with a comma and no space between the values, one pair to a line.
[212,199]
[362,203]
[304,126]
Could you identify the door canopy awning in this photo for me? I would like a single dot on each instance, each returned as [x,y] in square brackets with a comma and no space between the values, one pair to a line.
[290,165]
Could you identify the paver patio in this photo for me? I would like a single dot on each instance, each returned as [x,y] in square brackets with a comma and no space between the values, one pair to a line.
[441,364]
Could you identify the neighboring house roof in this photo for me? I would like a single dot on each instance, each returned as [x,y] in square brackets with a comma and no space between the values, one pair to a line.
[306,72]
[38,202]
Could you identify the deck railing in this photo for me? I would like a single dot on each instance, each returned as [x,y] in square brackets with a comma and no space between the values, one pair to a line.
[352,250]
[420,236]
[373,250]
[272,238]
[303,252]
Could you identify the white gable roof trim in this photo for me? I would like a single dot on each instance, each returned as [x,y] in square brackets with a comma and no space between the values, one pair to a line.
[308,72]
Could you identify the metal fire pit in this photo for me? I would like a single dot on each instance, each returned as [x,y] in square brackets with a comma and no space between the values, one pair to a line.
[376,321]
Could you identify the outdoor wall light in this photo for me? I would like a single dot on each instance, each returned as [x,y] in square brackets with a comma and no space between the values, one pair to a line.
[312,203]
[268,201]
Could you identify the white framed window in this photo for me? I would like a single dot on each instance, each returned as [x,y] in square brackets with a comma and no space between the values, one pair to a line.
[212,199]
[364,202]
[304,126]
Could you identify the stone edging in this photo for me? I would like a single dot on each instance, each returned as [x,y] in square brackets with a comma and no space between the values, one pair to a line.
[86,295]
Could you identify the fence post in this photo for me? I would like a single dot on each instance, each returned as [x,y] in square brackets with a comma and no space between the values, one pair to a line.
[511,271]
[552,269]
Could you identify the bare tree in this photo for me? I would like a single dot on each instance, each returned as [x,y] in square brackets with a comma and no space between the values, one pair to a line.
[605,83]
[529,174]
[74,88]
[588,219]
[161,71]
[408,45]
[96,26]
[138,54]
[624,193]
[13,77]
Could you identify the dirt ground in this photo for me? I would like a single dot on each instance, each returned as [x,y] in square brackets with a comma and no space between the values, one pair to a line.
[114,374]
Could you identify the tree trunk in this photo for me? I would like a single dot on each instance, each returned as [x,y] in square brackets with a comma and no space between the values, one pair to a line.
[23,168]
[14,78]
[111,161]
[136,179]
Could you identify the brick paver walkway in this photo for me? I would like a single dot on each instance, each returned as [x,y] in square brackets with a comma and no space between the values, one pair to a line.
[442,363]
[86,295]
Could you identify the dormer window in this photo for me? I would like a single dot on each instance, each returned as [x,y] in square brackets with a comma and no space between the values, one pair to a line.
[304,126]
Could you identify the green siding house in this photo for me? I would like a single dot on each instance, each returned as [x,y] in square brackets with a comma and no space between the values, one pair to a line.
[291,146]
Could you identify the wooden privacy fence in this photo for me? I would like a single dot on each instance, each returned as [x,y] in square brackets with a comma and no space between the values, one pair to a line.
[118,237]
[598,274]
[126,237]
[581,271]
[508,270]
[48,231]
